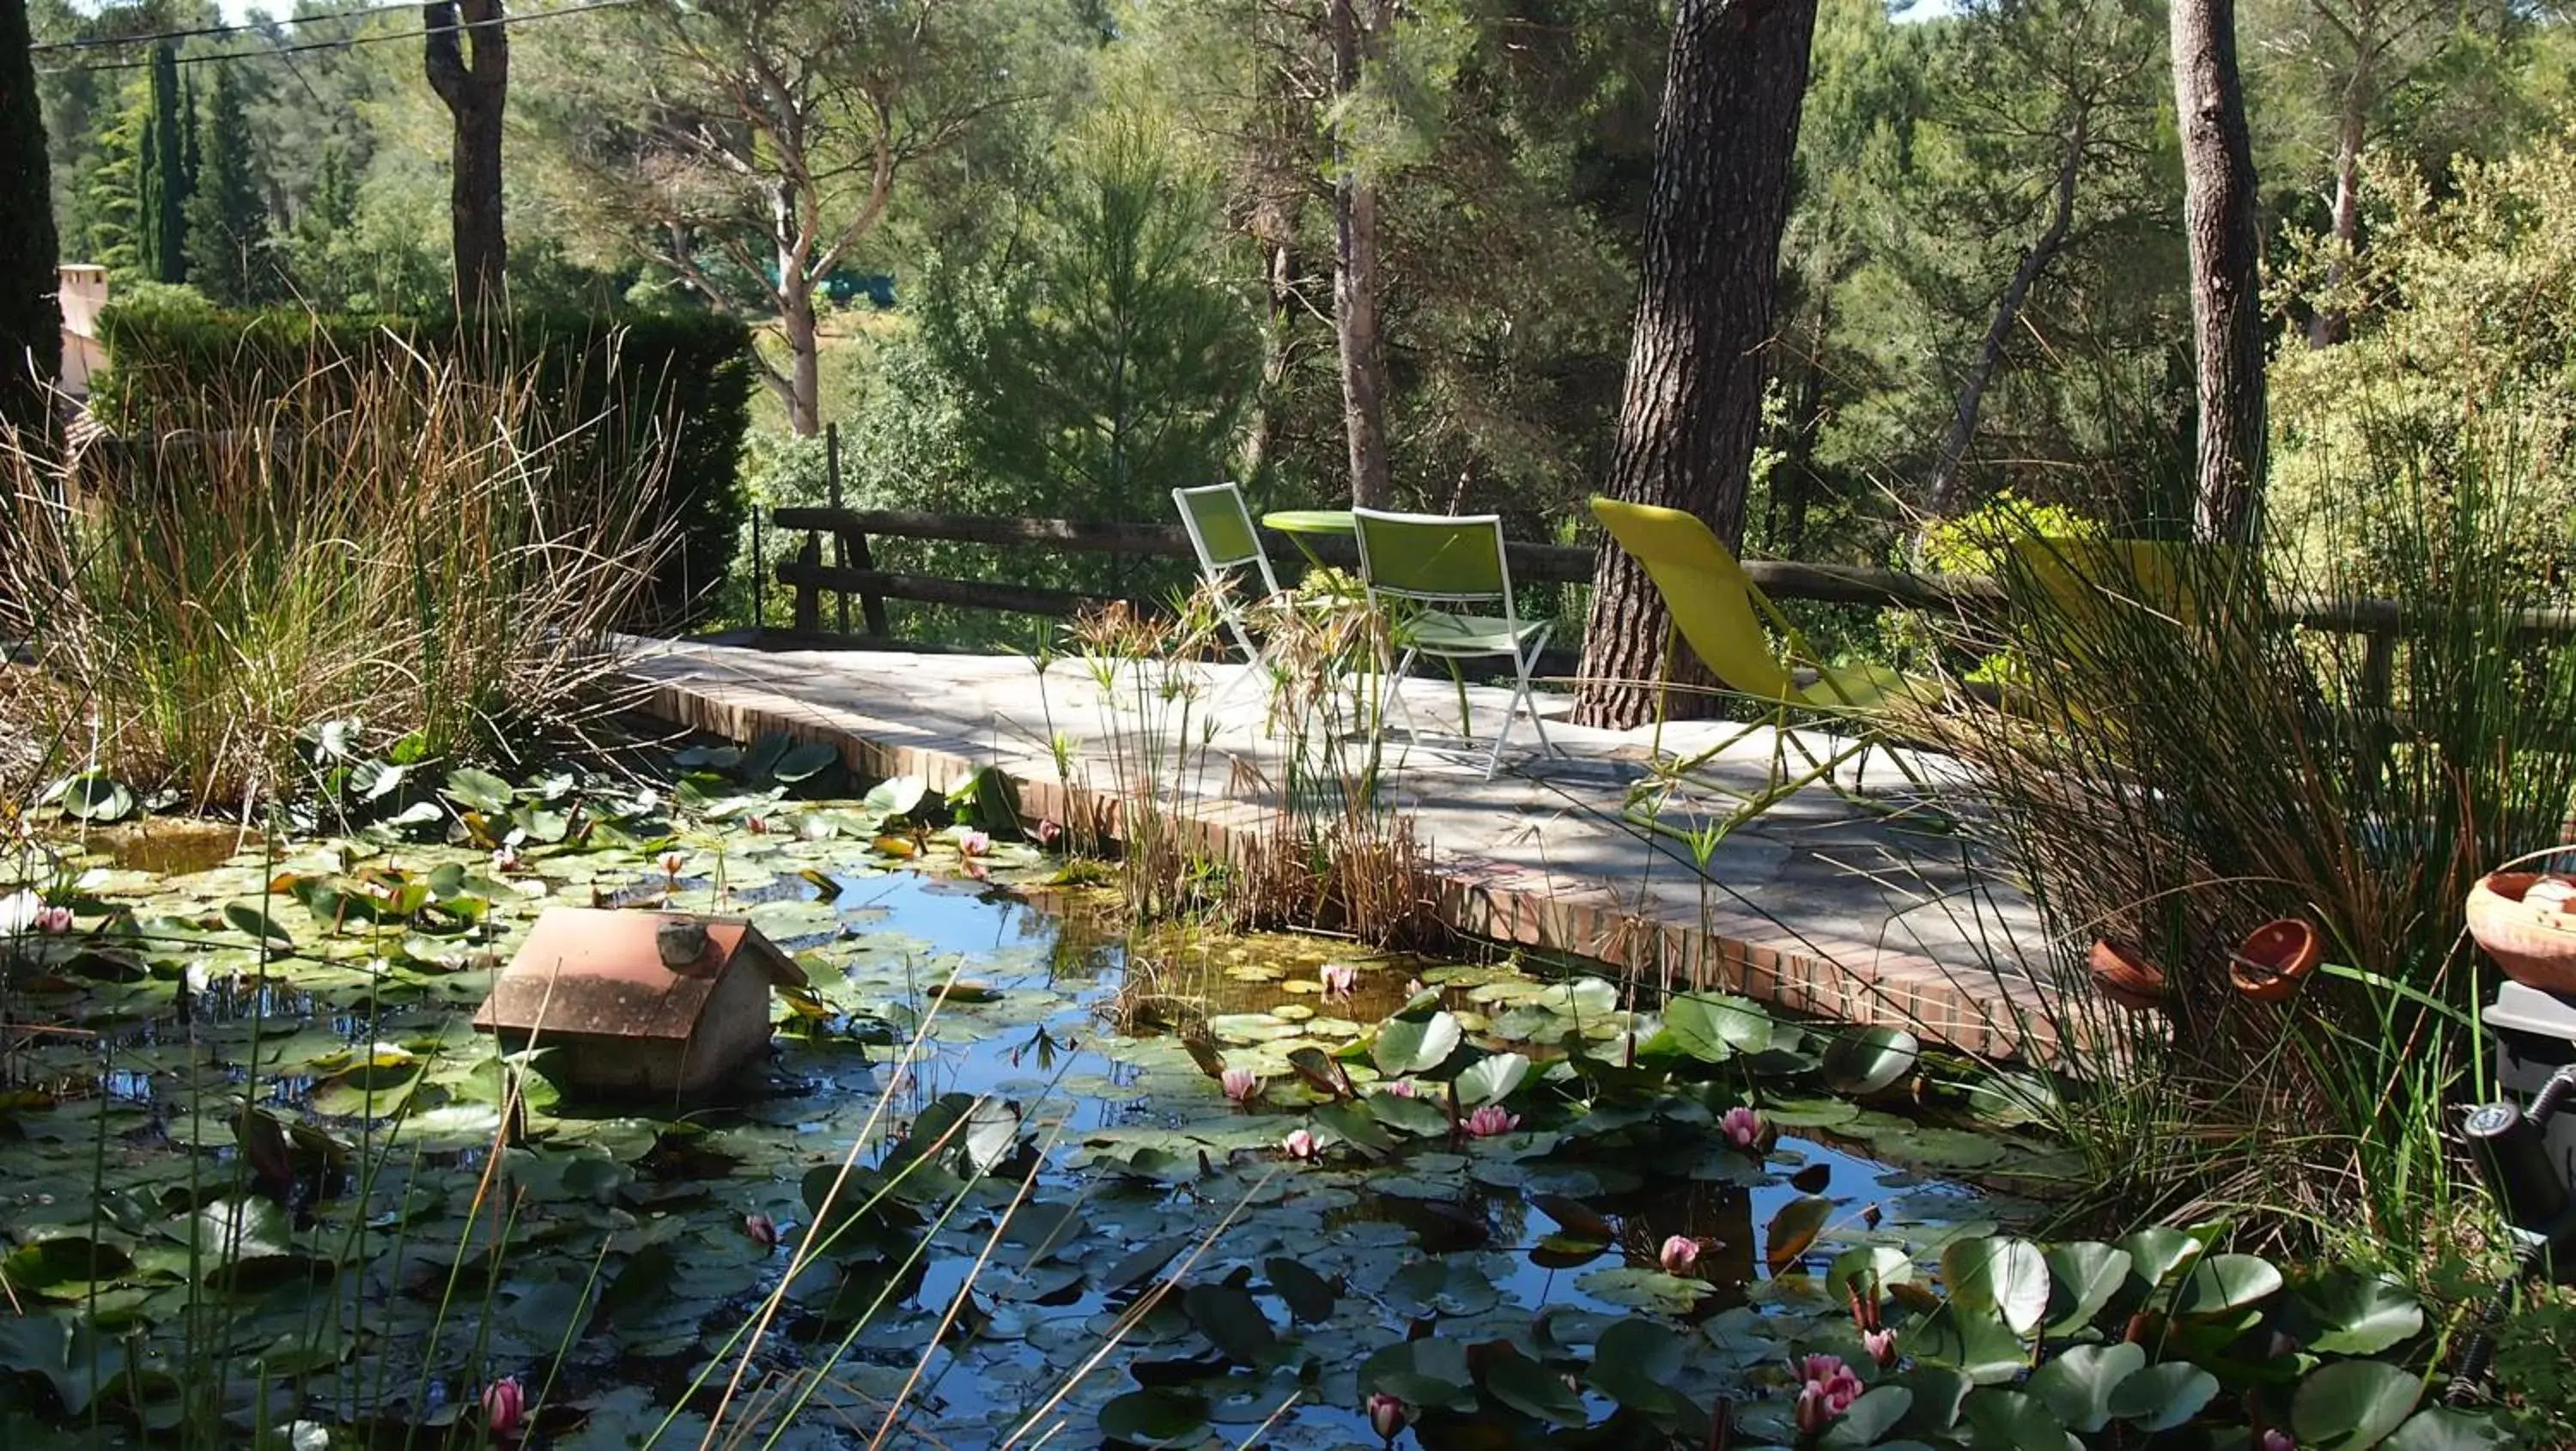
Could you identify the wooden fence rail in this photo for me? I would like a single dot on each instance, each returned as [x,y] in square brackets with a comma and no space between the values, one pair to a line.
[810,577]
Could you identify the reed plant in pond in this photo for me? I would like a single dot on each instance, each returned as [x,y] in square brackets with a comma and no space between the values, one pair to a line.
[402,541]
[2177,759]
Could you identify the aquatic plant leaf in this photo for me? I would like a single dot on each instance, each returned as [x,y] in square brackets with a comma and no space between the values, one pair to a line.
[1531,1389]
[1875,1266]
[94,796]
[1939,1392]
[1356,1126]
[1430,1372]
[1635,1364]
[1142,1263]
[1577,1217]
[1869,1418]
[2077,1382]
[1406,1046]
[2006,1276]
[1792,1230]
[1714,1029]
[1420,1117]
[1310,1296]
[1977,1343]
[1643,1288]
[1156,1416]
[895,796]
[479,789]
[1863,1061]
[1491,1079]
[2347,1405]
[65,1259]
[2164,1395]
[1232,1321]
[2156,1254]
[2083,1275]
[2220,1284]
[2440,1429]
[375,780]
[1318,1071]
[804,762]
[255,924]
[2011,1418]
[2349,1312]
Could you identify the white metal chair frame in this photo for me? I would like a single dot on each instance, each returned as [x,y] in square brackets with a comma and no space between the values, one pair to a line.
[1523,655]
[1214,570]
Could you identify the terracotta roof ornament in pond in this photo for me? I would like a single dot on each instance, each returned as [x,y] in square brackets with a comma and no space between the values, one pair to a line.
[642,1004]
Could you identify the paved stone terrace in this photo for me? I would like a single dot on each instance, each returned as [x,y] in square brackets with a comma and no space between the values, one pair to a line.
[1818,905]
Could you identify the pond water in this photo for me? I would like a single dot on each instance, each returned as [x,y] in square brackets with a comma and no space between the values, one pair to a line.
[248,1187]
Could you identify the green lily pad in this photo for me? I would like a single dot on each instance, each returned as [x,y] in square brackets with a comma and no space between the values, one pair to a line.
[2349,1405]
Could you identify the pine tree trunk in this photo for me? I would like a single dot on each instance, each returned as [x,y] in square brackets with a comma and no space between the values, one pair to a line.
[1972,394]
[1355,272]
[476,91]
[1691,410]
[2331,324]
[804,352]
[31,320]
[2226,260]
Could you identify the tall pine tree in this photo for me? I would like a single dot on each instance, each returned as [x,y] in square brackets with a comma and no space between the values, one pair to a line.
[31,320]
[162,179]
[228,247]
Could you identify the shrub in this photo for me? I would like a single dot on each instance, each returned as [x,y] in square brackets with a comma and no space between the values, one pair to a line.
[653,397]
[391,539]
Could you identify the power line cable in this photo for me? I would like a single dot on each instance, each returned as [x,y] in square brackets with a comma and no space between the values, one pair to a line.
[268,52]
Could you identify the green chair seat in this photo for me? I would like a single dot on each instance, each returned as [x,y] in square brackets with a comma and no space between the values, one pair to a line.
[1439,632]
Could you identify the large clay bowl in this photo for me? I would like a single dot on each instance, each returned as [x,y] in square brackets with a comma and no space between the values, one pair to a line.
[2535,945]
[2124,977]
[2272,959]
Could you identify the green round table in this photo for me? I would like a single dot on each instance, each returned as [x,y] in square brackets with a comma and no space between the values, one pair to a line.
[1301,525]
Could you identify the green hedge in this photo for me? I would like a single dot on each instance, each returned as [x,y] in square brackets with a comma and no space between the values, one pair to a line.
[634,378]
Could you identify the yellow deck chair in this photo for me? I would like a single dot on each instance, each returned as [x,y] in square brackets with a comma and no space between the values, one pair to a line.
[1728,622]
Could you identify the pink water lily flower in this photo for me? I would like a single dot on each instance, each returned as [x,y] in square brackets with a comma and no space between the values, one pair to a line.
[54,920]
[1339,978]
[1829,1389]
[671,862]
[2276,1439]
[974,843]
[1881,1345]
[1741,1125]
[1490,1120]
[505,1408]
[1386,1416]
[1301,1145]
[1403,1088]
[505,859]
[762,1229]
[756,825]
[1679,1255]
[1049,832]
[1242,1085]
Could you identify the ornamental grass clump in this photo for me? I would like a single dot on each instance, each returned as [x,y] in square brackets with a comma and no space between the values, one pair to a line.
[2195,744]
[411,543]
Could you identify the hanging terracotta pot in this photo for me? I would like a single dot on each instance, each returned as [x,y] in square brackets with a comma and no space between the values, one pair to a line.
[2518,918]
[2273,957]
[2126,978]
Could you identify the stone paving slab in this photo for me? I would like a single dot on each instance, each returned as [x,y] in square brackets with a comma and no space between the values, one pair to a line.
[1817,905]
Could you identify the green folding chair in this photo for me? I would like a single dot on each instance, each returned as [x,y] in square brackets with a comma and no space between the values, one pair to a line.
[1451,587]
[1220,530]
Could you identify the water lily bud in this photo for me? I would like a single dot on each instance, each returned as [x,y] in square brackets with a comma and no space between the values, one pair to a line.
[762,1229]
[1404,1088]
[974,843]
[1386,1416]
[1742,1127]
[1241,1084]
[1490,1120]
[54,920]
[1339,979]
[2276,1439]
[1881,1345]
[1679,1255]
[505,859]
[1301,1144]
[671,862]
[1812,1414]
[505,1408]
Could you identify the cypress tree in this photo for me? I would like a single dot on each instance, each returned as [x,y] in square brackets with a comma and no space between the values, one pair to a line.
[162,179]
[228,253]
[31,319]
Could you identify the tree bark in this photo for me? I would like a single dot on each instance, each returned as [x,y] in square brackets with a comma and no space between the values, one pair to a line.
[1355,271]
[475,90]
[2331,324]
[1972,394]
[1691,409]
[2226,261]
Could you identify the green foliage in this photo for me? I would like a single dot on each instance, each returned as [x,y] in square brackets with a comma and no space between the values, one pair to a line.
[655,402]
[230,258]
[30,323]
[1107,356]
[163,181]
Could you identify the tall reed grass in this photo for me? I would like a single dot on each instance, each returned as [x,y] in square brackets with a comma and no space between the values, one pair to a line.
[410,542]
[2178,757]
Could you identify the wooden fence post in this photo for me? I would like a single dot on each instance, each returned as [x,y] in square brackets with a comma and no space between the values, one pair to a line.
[809,597]
[840,547]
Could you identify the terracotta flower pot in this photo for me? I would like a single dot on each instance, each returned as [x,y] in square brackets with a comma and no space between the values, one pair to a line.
[2126,978]
[2533,942]
[2273,958]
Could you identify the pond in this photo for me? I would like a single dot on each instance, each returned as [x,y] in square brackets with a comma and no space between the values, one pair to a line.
[264,1179]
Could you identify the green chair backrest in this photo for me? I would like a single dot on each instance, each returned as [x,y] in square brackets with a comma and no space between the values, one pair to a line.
[1220,526]
[1712,601]
[1434,558]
